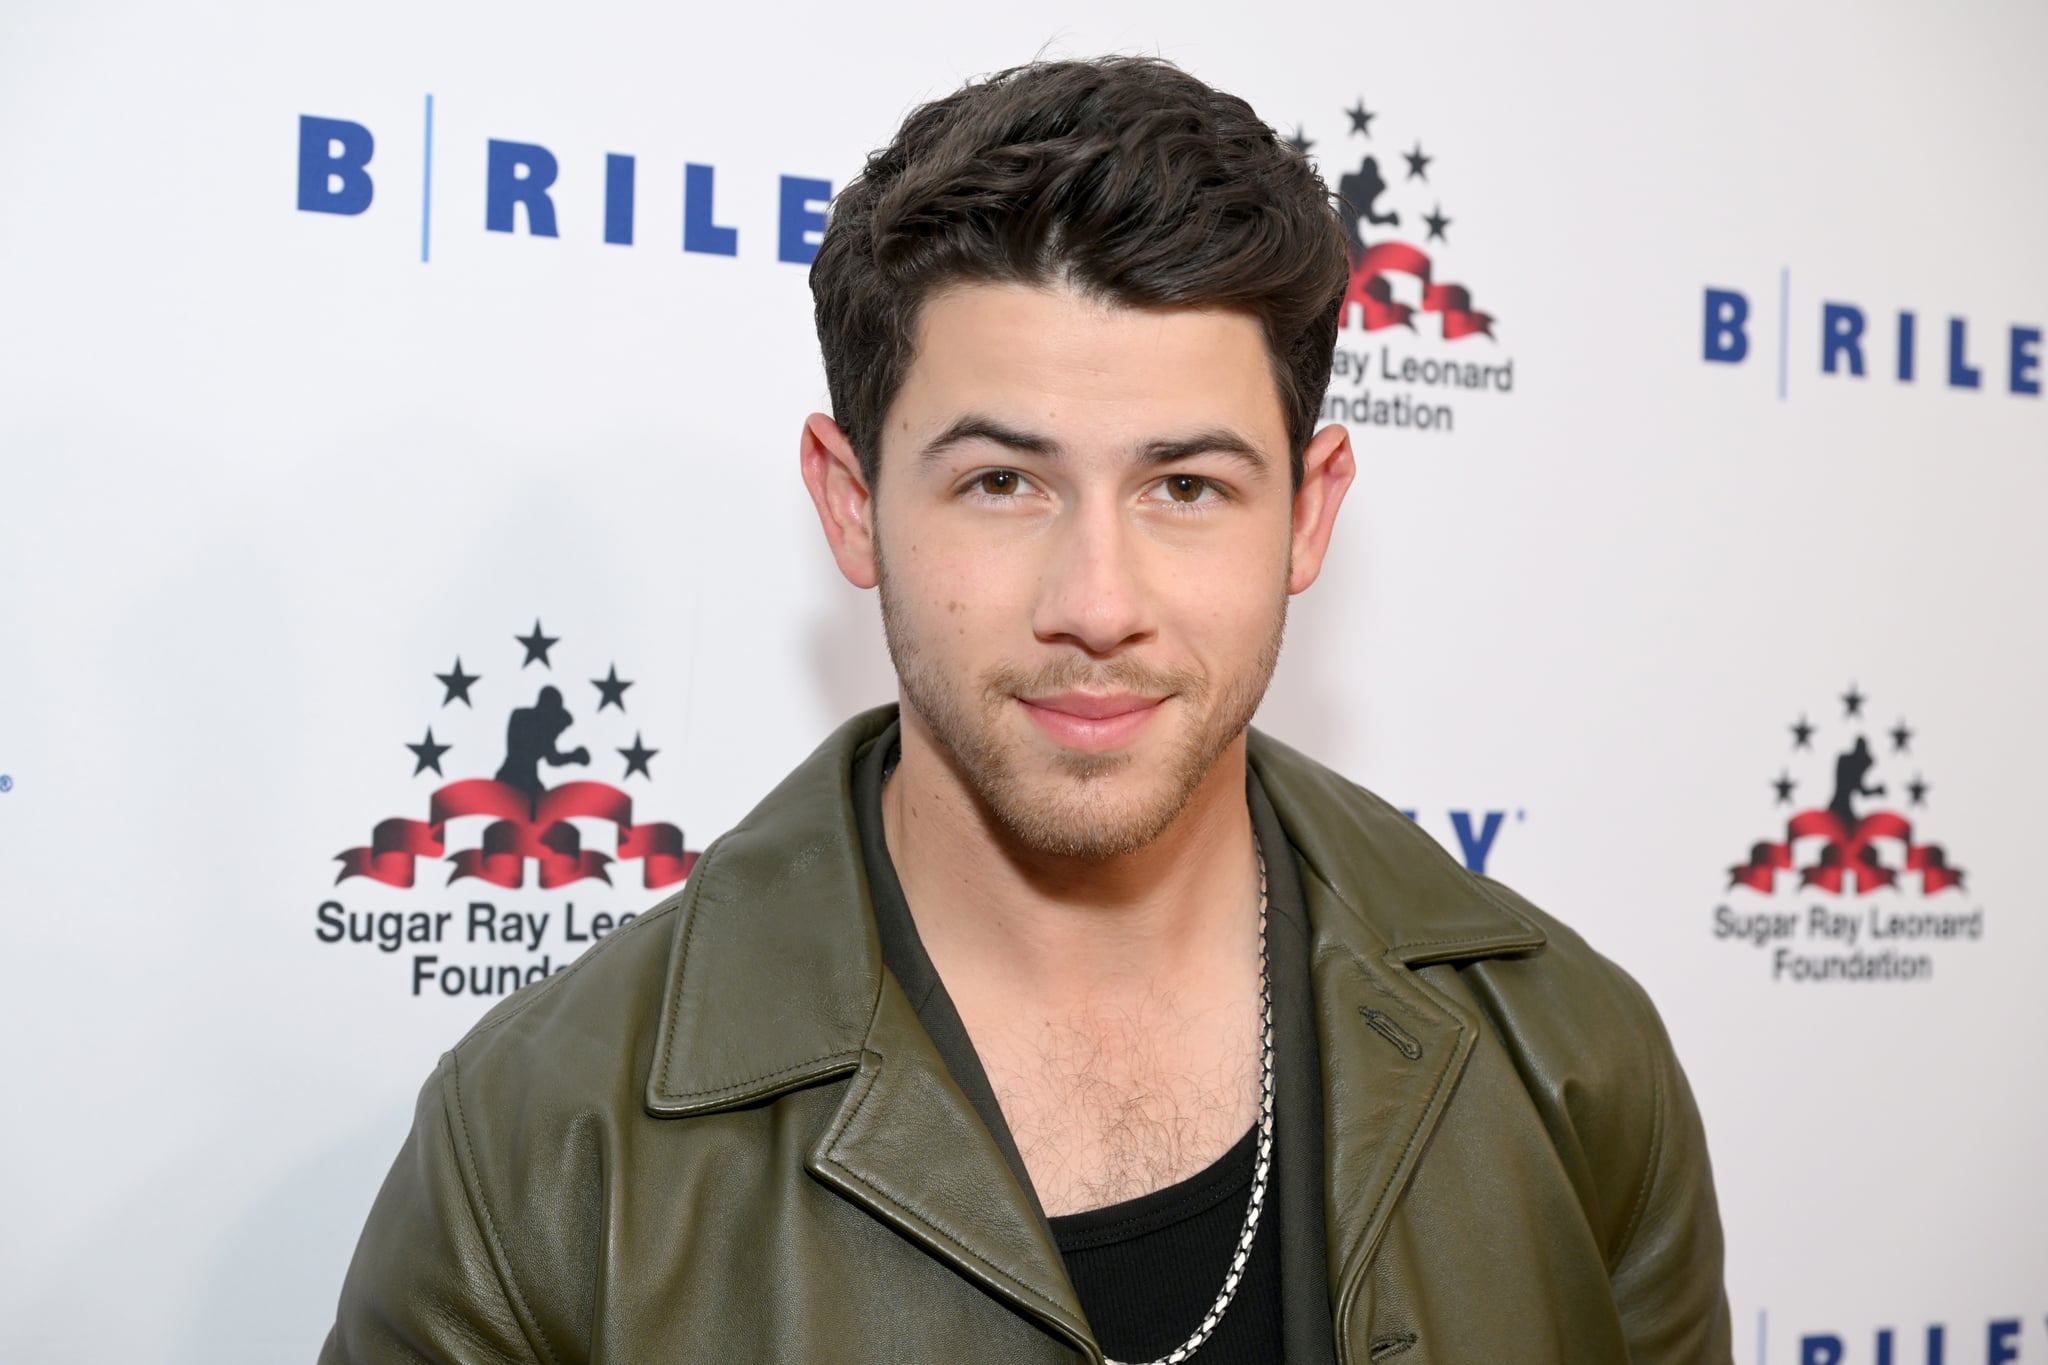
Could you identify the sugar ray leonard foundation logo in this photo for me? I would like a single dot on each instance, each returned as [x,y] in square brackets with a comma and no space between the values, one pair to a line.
[491,831]
[1880,898]
[1408,349]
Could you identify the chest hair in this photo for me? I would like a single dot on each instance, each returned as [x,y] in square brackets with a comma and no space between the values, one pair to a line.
[1115,1103]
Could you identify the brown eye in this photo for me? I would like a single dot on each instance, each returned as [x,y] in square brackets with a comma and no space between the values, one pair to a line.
[1186,487]
[999,483]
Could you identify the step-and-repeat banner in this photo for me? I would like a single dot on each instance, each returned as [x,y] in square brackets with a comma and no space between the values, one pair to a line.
[398,420]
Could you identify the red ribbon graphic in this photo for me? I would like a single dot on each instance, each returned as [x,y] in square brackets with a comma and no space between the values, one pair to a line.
[1374,297]
[1848,857]
[522,830]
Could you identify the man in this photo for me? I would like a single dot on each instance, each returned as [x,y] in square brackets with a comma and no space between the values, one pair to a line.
[1056,1016]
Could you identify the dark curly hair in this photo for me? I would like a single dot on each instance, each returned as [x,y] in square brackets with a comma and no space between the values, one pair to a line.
[1124,178]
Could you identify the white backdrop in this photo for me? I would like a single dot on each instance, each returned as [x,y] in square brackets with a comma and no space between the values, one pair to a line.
[267,473]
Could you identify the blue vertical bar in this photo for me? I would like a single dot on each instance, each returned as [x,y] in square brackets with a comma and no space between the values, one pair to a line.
[427,186]
[1784,323]
[618,199]
[1760,1312]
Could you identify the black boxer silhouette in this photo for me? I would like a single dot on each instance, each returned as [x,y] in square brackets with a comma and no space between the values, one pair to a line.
[1850,770]
[1360,190]
[530,741]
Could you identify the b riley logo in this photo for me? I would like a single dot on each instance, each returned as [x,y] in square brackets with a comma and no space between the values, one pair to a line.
[1411,344]
[1852,891]
[484,942]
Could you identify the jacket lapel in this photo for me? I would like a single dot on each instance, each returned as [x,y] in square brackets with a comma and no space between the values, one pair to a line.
[1391,1056]
[1382,897]
[907,1145]
[776,983]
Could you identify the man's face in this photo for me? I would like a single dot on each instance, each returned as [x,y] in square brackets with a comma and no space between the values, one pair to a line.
[1083,524]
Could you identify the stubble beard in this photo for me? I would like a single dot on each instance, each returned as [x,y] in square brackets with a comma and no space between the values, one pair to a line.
[1069,812]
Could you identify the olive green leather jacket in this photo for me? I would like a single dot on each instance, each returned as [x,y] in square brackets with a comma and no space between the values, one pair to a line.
[722,1135]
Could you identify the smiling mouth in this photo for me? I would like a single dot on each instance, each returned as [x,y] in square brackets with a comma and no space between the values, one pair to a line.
[1095,723]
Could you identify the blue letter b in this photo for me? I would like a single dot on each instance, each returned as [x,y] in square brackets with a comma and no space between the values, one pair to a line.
[1820,1350]
[1727,338]
[332,155]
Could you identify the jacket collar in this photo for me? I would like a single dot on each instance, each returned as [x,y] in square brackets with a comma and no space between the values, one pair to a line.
[776,982]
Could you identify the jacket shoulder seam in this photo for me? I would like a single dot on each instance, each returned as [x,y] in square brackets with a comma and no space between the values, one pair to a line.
[501,1266]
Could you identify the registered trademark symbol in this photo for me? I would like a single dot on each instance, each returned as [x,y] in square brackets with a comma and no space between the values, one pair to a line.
[6,783]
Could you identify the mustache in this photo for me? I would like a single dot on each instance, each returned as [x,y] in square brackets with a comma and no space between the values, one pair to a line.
[1091,675]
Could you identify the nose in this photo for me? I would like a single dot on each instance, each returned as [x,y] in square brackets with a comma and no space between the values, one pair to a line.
[1092,590]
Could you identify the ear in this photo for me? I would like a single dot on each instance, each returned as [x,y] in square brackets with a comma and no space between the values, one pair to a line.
[1327,468]
[845,505]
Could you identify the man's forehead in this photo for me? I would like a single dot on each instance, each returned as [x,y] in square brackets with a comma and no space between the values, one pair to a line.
[1061,313]
[1061,367]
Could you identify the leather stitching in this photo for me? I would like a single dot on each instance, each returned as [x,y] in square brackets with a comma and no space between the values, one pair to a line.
[490,1228]
[673,1028]
[838,1059]
[1485,889]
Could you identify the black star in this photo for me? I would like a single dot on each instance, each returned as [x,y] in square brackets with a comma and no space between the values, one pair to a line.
[1418,164]
[1852,700]
[612,689]
[1917,789]
[1784,783]
[636,758]
[537,645]
[1902,739]
[1361,121]
[1299,141]
[429,754]
[1437,223]
[457,684]
[1802,735]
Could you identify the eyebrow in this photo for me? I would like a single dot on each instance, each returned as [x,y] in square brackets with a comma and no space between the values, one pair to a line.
[976,427]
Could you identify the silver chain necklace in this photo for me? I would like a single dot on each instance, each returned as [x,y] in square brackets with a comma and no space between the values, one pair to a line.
[1265,1166]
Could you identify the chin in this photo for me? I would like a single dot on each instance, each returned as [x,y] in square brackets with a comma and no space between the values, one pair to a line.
[1089,835]
[1089,806]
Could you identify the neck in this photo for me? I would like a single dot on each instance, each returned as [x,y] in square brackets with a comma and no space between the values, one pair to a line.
[1062,935]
